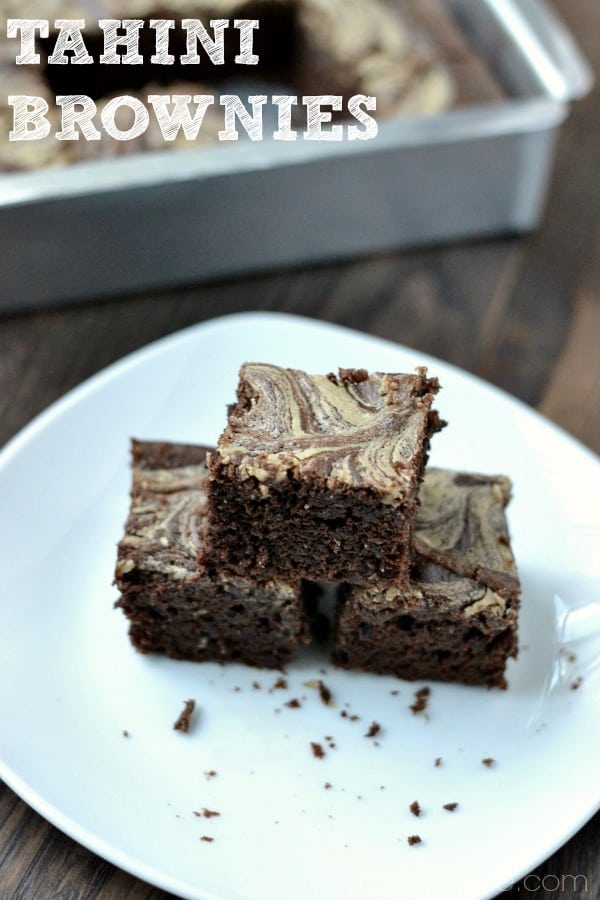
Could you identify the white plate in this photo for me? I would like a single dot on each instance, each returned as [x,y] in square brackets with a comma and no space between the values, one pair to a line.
[70,684]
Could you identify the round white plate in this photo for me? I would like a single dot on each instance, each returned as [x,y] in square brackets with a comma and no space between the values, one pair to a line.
[71,685]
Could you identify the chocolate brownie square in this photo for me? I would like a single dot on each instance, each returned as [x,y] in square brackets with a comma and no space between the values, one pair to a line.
[317,476]
[456,618]
[175,604]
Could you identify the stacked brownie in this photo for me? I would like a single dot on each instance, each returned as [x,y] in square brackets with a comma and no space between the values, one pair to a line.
[321,479]
[455,617]
[318,476]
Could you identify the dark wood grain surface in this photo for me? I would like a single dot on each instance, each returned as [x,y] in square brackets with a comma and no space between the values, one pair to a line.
[523,313]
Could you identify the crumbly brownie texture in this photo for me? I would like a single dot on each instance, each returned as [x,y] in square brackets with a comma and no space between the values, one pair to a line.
[178,607]
[441,625]
[318,476]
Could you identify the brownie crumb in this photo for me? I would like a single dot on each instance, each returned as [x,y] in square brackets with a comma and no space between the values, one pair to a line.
[183,722]
[354,718]
[280,685]
[237,689]
[206,838]
[125,734]
[324,694]
[209,813]
[489,762]
[353,376]
[256,685]
[317,750]
[344,714]
[421,700]
[438,761]
[327,786]
[450,806]
[394,693]
[293,703]
[413,839]
[576,684]
[415,808]
[211,774]
[374,730]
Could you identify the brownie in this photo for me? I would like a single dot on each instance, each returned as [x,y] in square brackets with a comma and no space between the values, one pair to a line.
[318,476]
[371,48]
[461,525]
[456,618]
[473,80]
[409,54]
[175,604]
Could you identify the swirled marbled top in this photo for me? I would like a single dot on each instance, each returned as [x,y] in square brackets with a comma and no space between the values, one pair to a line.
[349,431]
[461,525]
[167,523]
[438,590]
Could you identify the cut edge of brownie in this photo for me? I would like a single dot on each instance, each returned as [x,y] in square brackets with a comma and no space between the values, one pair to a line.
[416,634]
[456,618]
[174,605]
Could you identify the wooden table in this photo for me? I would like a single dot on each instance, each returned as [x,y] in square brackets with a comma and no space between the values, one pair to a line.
[523,313]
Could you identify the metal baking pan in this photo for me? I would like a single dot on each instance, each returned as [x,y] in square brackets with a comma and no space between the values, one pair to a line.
[137,223]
